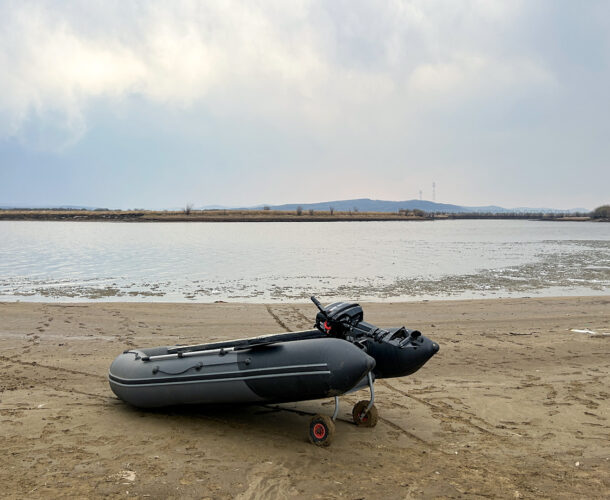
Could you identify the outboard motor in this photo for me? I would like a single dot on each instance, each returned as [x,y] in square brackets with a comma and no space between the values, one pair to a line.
[397,351]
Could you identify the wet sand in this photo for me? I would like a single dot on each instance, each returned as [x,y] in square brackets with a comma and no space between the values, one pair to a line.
[515,405]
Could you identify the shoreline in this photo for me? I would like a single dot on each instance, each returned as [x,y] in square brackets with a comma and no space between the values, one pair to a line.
[514,405]
[163,299]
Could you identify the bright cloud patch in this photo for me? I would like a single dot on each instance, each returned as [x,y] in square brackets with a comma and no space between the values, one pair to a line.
[304,61]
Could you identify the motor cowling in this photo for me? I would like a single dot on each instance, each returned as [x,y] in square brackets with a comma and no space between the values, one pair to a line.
[336,319]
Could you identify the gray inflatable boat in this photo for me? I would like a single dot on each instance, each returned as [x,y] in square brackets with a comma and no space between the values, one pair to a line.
[342,354]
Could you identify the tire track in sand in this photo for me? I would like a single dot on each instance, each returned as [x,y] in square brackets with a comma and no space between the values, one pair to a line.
[277,319]
[448,412]
[54,368]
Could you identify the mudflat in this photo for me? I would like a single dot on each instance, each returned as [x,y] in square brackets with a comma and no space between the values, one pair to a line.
[515,405]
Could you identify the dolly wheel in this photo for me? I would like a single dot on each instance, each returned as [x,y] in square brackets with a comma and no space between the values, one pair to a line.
[363,418]
[321,430]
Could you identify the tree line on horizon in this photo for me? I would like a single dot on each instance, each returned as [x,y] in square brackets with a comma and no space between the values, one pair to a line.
[601,212]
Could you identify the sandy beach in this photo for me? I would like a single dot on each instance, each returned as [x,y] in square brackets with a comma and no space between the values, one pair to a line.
[515,405]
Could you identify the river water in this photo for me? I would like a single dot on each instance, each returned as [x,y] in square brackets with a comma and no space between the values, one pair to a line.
[276,261]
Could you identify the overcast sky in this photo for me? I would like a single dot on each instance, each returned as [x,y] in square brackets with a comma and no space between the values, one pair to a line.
[156,104]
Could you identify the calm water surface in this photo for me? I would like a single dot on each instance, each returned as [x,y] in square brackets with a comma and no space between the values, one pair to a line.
[263,262]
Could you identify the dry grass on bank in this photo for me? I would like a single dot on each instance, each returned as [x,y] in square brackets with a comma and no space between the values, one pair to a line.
[200,215]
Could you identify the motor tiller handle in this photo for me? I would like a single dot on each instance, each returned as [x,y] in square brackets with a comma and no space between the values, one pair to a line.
[318,305]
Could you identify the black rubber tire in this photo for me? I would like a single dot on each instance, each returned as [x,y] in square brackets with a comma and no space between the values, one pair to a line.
[321,430]
[368,419]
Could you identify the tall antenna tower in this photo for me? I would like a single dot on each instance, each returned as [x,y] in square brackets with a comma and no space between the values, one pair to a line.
[420,195]
[434,191]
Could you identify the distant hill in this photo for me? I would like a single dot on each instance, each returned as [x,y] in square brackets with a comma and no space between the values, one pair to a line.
[368,205]
[360,204]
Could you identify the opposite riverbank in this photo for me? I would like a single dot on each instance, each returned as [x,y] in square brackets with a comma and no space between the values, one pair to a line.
[515,405]
[264,216]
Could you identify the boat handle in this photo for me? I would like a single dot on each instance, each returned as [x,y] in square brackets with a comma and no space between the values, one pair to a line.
[197,367]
